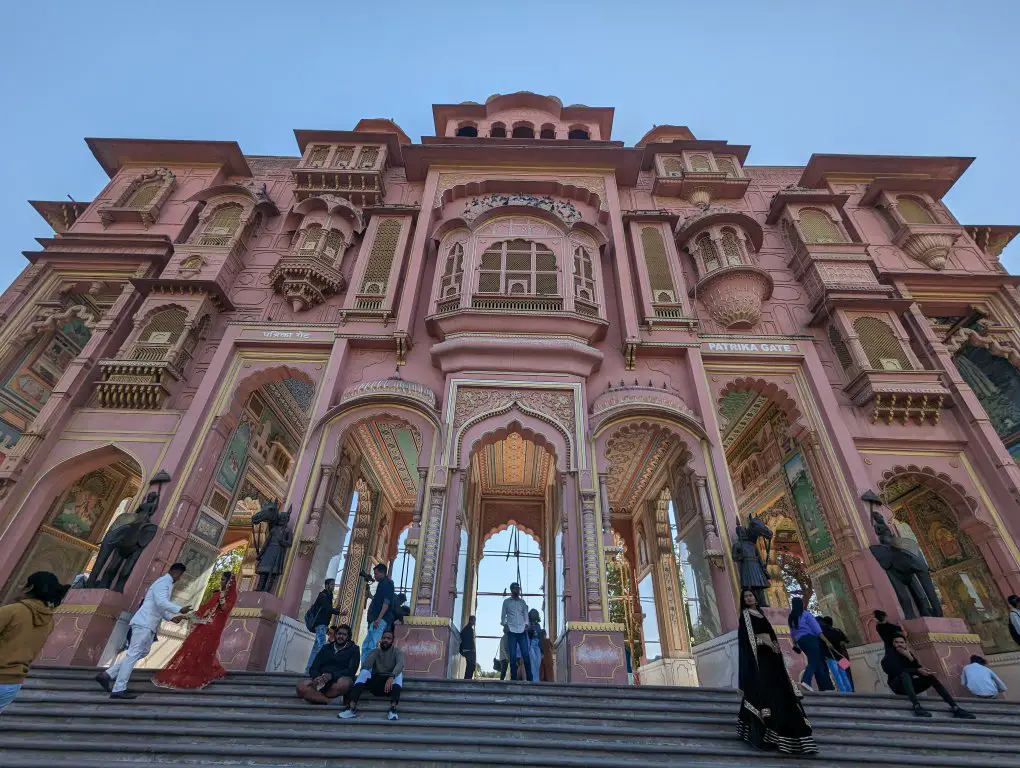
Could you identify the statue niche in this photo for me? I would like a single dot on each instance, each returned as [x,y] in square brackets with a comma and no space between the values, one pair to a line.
[123,544]
[750,566]
[907,569]
[271,547]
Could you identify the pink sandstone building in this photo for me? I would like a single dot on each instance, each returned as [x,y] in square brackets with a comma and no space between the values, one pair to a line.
[623,351]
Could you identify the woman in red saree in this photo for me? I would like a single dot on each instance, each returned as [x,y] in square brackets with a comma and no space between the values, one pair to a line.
[195,664]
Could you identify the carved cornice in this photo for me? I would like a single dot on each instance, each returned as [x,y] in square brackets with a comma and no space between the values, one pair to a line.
[638,399]
[392,388]
[595,626]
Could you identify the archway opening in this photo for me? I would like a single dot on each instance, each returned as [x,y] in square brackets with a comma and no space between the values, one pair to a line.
[511,532]
[772,481]
[255,467]
[963,580]
[77,519]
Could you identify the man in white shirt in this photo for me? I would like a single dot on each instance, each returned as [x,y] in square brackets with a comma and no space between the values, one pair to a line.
[514,619]
[156,607]
[977,678]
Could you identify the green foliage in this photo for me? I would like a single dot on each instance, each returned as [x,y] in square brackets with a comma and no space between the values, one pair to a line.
[228,561]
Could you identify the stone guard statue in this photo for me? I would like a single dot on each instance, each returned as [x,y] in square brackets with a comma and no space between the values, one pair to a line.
[750,566]
[907,569]
[272,552]
[123,544]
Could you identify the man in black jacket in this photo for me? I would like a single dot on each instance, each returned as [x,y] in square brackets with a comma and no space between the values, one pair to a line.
[323,611]
[467,648]
[333,671]
[908,678]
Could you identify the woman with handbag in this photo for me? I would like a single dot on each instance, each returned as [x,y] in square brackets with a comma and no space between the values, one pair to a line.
[807,636]
[771,715]
[837,658]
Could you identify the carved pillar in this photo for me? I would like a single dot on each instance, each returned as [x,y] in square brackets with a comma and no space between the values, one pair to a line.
[453,516]
[607,513]
[419,501]
[668,577]
[356,550]
[573,571]
[590,538]
[722,584]
[430,541]
[310,531]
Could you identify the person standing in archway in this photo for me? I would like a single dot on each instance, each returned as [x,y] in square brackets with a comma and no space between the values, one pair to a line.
[514,619]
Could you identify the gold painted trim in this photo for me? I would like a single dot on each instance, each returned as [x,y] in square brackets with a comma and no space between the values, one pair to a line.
[946,637]
[595,626]
[254,613]
[428,621]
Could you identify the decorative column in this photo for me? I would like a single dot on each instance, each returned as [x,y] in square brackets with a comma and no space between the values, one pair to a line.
[424,636]
[591,650]
[722,584]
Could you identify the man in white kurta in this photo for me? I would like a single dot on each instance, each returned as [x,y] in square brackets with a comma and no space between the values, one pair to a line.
[156,607]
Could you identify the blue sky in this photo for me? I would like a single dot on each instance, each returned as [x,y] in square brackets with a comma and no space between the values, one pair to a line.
[788,78]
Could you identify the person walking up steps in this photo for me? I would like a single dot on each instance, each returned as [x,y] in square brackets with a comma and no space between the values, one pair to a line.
[156,607]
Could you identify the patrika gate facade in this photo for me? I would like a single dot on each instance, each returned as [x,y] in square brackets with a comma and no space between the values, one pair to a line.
[622,351]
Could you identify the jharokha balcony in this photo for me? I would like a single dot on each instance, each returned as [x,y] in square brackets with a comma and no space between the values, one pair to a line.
[723,244]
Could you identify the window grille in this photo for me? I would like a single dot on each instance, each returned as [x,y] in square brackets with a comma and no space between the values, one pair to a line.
[514,267]
[368,157]
[343,157]
[818,227]
[880,344]
[380,260]
[453,272]
[700,164]
[584,275]
[144,194]
[659,276]
[914,212]
[731,247]
[708,251]
[317,157]
[840,348]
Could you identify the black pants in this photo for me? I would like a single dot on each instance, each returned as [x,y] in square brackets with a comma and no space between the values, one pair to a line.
[910,684]
[469,664]
[377,685]
[504,666]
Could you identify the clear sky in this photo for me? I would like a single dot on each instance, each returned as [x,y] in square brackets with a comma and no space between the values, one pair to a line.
[788,78]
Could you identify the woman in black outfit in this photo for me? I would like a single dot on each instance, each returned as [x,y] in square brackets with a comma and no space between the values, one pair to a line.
[771,715]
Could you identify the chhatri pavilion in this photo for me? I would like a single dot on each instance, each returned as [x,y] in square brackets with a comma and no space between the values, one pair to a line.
[619,351]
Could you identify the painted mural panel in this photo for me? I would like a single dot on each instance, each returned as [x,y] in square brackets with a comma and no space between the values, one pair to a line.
[834,600]
[809,510]
[996,382]
[82,506]
[233,460]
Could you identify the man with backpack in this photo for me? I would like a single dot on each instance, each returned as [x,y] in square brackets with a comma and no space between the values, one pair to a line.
[318,617]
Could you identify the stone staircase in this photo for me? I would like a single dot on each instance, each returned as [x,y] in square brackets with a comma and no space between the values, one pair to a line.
[62,718]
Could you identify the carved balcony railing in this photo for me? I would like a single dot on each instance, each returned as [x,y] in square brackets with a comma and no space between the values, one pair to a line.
[136,384]
[518,303]
[362,186]
[699,187]
[896,395]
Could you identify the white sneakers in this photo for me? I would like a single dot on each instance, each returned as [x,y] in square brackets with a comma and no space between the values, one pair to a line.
[350,714]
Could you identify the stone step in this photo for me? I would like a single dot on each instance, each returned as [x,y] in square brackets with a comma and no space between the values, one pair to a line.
[954,736]
[263,684]
[534,705]
[156,742]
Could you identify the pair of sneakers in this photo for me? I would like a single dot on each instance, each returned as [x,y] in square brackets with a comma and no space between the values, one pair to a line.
[350,714]
[958,712]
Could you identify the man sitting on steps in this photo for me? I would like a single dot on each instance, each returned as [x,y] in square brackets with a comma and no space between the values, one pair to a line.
[383,674]
[333,670]
[908,678]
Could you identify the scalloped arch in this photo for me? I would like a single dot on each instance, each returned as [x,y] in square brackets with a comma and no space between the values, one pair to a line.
[333,204]
[504,525]
[500,432]
[768,389]
[936,481]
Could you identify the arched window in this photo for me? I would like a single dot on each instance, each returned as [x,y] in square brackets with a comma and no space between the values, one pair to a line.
[731,247]
[317,157]
[584,275]
[727,166]
[159,334]
[884,351]
[468,130]
[518,267]
[700,164]
[334,244]
[707,249]
[914,211]
[579,134]
[818,227]
[672,166]
[453,272]
[222,225]
[312,238]
[144,194]
[525,131]
[343,157]
[548,132]
[497,131]
[380,259]
[659,276]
